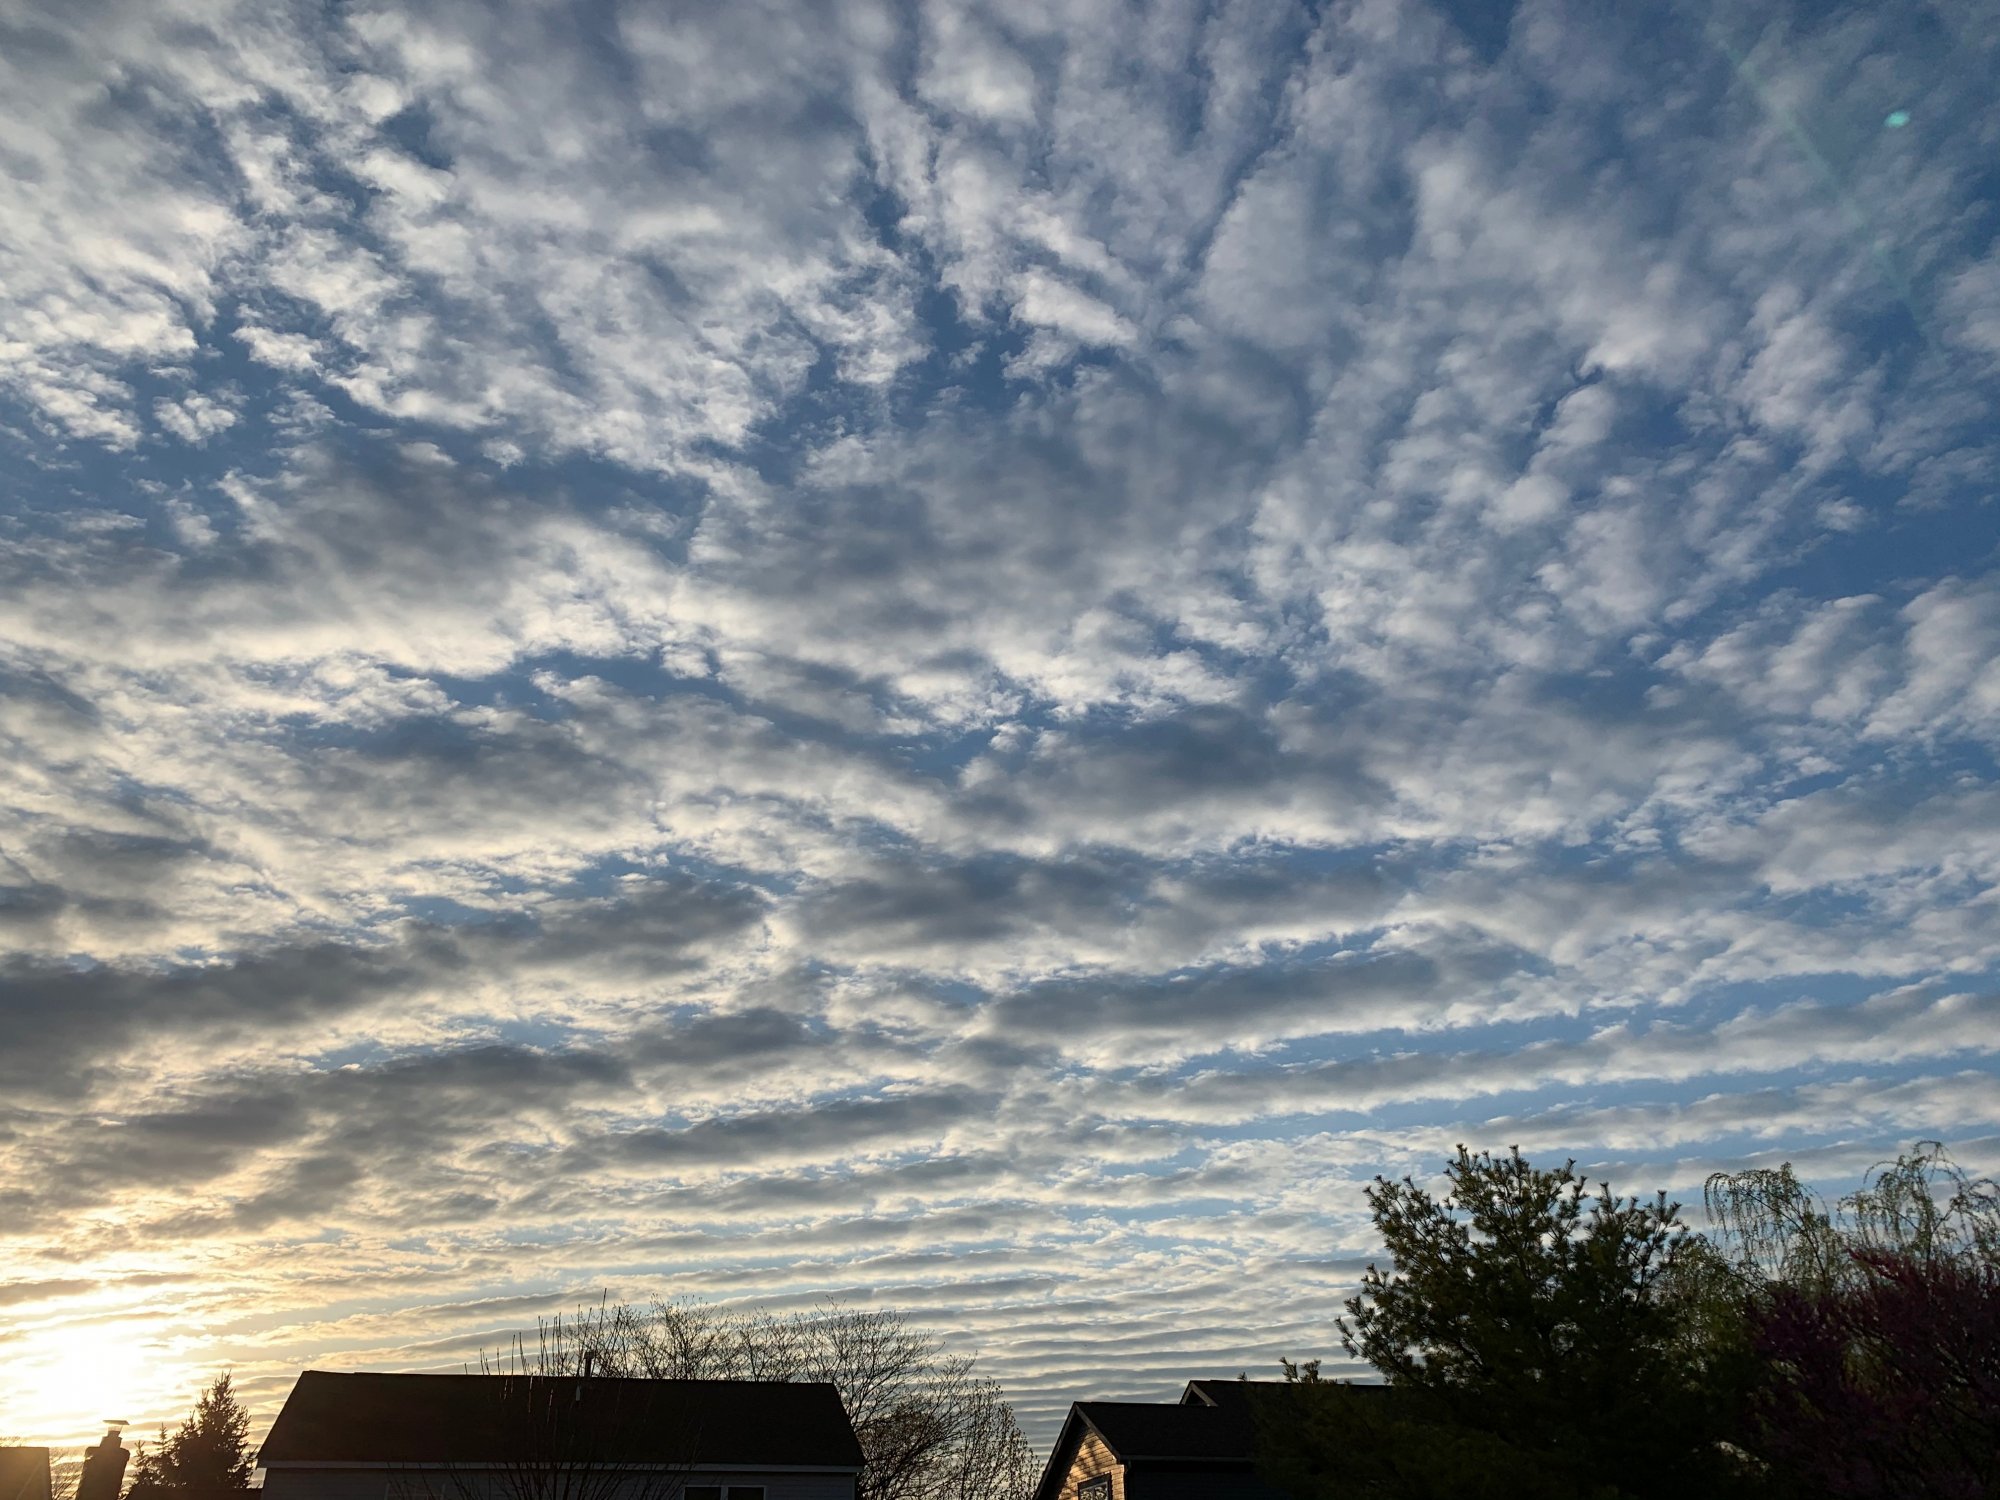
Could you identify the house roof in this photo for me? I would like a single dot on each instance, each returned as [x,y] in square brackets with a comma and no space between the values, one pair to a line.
[1232,1395]
[1237,1394]
[24,1474]
[1202,1445]
[1152,1431]
[1141,1430]
[426,1420]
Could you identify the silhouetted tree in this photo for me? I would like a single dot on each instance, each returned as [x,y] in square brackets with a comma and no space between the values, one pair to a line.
[1887,1386]
[1532,1344]
[1320,1439]
[930,1428]
[1530,1327]
[1773,1230]
[1876,1322]
[210,1451]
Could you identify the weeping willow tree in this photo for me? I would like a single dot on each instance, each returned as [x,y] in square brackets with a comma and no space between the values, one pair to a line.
[1769,1227]
[1904,1210]
[1775,1247]
[1772,1229]
[1871,1322]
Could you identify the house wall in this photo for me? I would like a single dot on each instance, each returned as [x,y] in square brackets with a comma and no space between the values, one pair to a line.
[1093,1458]
[24,1473]
[284,1482]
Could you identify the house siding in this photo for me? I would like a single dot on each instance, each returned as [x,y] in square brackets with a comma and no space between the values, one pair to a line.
[1093,1460]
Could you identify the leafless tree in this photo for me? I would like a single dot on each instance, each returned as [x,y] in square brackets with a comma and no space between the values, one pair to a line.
[930,1427]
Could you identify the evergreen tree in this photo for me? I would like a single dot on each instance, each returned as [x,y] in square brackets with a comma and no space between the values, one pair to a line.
[209,1452]
[1541,1340]
[1532,1344]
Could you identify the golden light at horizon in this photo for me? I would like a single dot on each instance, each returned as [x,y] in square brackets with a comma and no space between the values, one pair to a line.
[68,1380]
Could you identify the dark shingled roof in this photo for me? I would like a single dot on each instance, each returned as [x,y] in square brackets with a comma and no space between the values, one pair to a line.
[1233,1395]
[1151,1429]
[1236,1395]
[1202,1447]
[475,1419]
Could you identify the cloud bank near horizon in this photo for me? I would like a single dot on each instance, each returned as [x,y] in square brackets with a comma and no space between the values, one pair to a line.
[965,656]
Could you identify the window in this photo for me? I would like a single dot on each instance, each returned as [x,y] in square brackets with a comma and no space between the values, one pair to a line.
[717,1492]
[746,1492]
[1095,1489]
[702,1492]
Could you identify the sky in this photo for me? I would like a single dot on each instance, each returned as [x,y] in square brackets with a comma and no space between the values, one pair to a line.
[967,658]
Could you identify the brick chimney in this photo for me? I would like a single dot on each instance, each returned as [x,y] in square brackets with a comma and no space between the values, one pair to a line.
[103,1467]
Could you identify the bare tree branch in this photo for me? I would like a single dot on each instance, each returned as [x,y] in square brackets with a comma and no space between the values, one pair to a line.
[929,1427]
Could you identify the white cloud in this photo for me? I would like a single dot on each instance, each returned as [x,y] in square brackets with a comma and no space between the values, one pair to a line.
[940,653]
[195,418]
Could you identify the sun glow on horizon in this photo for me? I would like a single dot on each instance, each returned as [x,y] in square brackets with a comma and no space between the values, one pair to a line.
[78,1376]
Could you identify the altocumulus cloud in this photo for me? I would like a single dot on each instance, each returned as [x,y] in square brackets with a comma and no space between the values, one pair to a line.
[967,655]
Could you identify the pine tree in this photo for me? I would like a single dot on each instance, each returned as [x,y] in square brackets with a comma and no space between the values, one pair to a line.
[1530,1345]
[209,1452]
